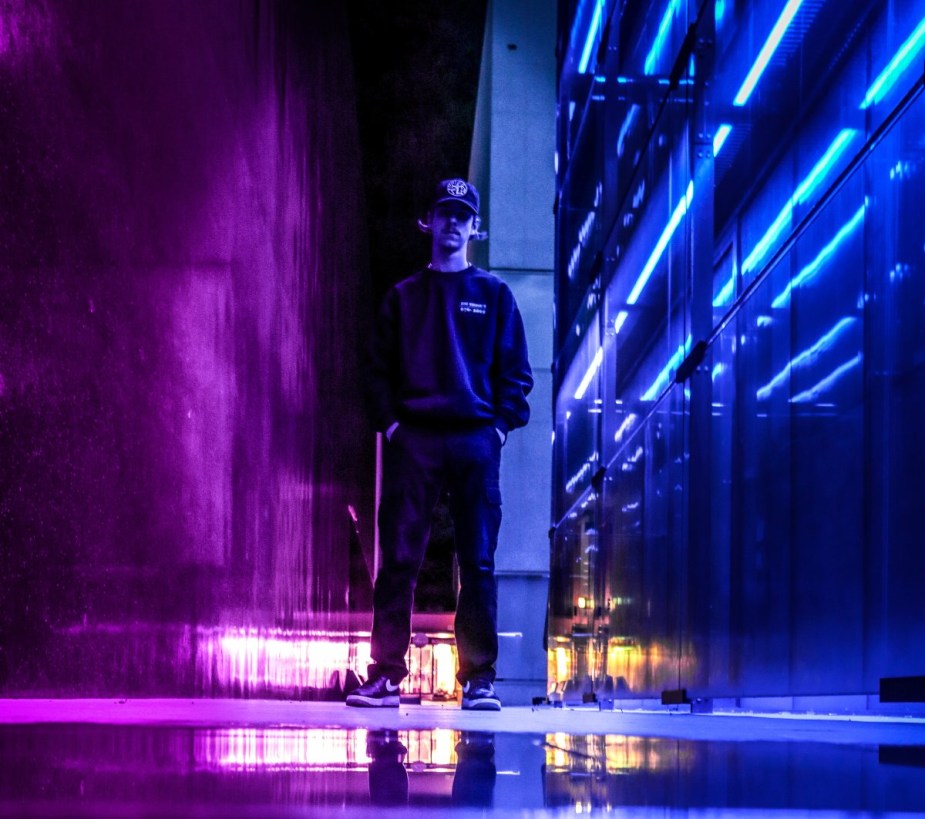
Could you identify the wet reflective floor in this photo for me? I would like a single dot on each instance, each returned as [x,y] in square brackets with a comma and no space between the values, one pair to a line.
[219,758]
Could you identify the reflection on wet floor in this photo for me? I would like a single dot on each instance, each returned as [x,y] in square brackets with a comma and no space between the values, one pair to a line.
[95,770]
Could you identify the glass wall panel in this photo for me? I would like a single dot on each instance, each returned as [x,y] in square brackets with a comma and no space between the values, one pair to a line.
[894,396]
[827,434]
[578,413]
[575,644]
[641,540]
[758,479]
[578,210]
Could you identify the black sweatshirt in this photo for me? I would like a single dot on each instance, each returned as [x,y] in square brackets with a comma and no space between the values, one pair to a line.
[449,351]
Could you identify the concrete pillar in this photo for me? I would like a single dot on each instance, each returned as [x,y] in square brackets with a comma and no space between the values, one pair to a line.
[512,165]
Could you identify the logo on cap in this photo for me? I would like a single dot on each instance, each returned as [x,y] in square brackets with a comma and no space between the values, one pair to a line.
[456,187]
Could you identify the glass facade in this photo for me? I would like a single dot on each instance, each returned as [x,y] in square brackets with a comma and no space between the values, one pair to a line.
[739,343]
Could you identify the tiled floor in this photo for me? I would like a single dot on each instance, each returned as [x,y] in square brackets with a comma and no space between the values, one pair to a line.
[211,758]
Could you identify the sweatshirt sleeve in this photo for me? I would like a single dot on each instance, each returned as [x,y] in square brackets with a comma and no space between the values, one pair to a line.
[382,365]
[513,378]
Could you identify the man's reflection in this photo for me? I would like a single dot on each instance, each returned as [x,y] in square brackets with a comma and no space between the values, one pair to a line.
[473,782]
[388,779]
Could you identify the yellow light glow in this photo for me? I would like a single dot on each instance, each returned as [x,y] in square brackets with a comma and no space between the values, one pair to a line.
[563,664]
[581,602]
[444,669]
[431,747]
[443,751]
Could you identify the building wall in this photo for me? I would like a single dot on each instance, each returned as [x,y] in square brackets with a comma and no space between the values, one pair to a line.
[180,303]
[740,271]
[512,153]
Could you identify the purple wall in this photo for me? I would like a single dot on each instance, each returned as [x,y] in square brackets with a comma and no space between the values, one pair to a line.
[182,288]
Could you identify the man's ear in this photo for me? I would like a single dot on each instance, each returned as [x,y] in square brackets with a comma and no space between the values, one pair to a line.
[425,225]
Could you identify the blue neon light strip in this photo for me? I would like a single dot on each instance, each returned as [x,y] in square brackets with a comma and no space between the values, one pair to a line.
[625,128]
[661,244]
[619,321]
[813,392]
[589,374]
[722,298]
[664,29]
[719,138]
[592,36]
[652,393]
[895,68]
[808,186]
[802,194]
[772,234]
[818,263]
[627,423]
[718,370]
[808,356]
[764,56]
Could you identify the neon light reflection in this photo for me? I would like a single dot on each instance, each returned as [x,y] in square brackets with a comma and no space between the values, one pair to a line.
[830,380]
[806,358]
[801,195]
[895,68]
[589,374]
[663,377]
[813,268]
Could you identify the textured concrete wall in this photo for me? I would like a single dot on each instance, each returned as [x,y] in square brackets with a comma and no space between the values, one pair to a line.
[180,299]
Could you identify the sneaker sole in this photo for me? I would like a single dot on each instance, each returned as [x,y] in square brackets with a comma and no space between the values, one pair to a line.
[482,705]
[359,701]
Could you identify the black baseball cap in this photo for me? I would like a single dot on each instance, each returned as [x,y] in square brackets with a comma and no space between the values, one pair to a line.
[457,190]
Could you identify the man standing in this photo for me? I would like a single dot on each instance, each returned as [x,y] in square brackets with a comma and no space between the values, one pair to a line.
[448,380]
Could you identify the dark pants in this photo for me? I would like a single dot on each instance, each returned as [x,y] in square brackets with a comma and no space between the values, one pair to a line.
[417,466]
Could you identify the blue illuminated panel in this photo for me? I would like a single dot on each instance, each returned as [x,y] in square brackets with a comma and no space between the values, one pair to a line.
[807,582]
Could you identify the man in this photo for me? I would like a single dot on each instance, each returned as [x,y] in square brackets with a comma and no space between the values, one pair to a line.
[448,380]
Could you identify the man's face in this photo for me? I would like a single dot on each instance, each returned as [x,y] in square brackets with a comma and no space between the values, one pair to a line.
[452,225]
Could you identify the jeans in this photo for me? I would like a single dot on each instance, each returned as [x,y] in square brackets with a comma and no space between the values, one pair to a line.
[418,465]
